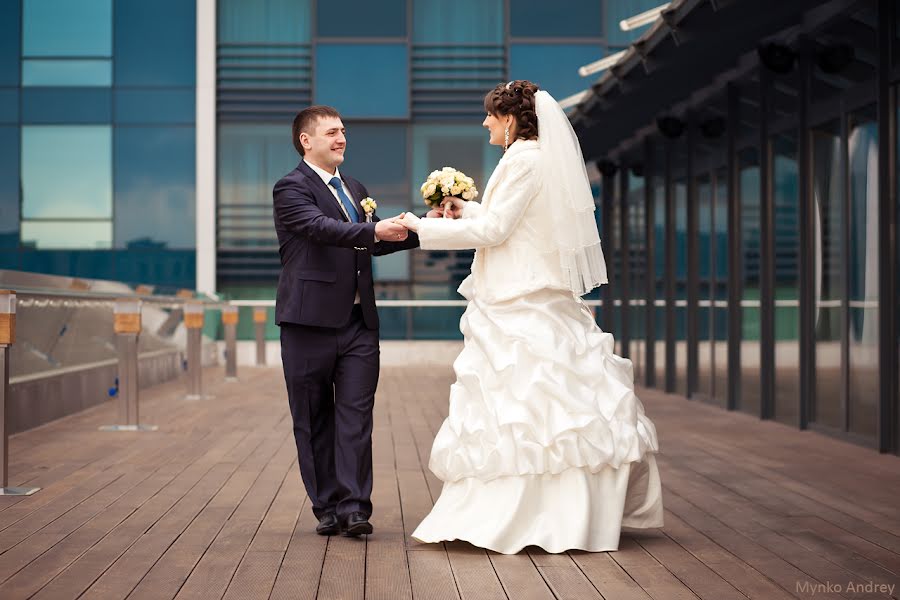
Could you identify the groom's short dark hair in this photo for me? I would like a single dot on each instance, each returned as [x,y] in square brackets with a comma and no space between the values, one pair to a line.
[307,118]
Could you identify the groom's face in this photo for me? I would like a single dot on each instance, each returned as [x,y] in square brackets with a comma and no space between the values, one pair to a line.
[324,146]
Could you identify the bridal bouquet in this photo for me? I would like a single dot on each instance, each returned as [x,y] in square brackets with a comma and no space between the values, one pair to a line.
[447,182]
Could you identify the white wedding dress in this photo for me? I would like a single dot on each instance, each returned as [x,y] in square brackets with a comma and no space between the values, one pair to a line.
[546,443]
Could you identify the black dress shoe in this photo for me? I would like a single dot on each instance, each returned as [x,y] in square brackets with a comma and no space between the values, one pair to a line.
[328,525]
[356,523]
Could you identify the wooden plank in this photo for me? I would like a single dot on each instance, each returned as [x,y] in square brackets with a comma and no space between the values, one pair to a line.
[569,583]
[520,577]
[301,569]
[749,581]
[431,576]
[654,578]
[387,570]
[474,573]
[255,576]
[344,569]
[765,530]
[605,574]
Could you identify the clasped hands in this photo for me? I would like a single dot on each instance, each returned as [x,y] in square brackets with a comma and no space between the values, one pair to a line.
[398,228]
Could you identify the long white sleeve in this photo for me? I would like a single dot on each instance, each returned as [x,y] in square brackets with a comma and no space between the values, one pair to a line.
[491,224]
[471,210]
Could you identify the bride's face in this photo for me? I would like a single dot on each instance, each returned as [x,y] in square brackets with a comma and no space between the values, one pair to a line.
[496,125]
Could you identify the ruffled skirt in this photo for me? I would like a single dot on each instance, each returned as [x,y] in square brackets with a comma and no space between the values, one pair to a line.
[546,443]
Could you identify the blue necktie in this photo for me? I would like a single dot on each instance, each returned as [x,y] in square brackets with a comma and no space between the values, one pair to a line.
[348,204]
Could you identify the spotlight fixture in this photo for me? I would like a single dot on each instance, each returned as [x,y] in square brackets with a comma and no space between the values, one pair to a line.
[599,65]
[669,126]
[644,18]
[607,167]
[777,57]
[835,58]
[713,128]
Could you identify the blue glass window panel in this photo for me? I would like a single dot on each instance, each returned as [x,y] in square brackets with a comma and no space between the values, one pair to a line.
[554,67]
[67,28]
[9,259]
[90,264]
[466,21]
[9,105]
[561,18]
[66,105]
[619,10]
[170,268]
[355,18]
[377,156]
[155,106]
[66,72]
[9,43]
[341,69]
[154,187]
[9,186]
[145,56]
[66,172]
[269,21]
[58,235]
[464,147]
[251,158]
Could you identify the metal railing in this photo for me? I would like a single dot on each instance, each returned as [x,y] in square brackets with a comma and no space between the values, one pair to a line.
[126,310]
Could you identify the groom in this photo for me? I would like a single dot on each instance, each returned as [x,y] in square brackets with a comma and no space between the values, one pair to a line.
[325,307]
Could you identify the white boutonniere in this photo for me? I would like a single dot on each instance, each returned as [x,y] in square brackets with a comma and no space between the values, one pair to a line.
[369,206]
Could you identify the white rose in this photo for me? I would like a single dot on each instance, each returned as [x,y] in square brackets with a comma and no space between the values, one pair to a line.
[468,195]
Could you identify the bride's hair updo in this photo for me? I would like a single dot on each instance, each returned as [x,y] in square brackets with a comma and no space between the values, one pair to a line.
[515,98]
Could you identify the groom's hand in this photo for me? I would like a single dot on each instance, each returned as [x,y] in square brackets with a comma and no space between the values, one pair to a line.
[390,230]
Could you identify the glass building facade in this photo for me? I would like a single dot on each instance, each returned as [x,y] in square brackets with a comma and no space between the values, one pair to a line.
[757,202]
[97,139]
[99,113]
[408,77]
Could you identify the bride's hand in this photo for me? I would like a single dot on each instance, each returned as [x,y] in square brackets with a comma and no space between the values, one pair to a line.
[410,221]
[453,207]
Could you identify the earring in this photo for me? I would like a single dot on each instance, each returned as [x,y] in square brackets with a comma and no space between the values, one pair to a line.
[506,139]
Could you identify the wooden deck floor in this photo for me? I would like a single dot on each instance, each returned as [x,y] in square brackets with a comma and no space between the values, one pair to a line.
[212,506]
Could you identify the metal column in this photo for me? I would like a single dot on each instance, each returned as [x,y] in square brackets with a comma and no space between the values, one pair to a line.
[127,326]
[625,265]
[888,418]
[767,254]
[7,338]
[669,186]
[650,262]
[734,253]
[693,264]
[193,321]
[229,323]
[260,314]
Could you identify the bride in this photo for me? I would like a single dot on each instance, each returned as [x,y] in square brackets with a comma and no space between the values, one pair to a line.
[546,443]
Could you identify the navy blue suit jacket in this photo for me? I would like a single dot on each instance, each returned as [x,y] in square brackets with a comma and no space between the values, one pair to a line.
[325,259]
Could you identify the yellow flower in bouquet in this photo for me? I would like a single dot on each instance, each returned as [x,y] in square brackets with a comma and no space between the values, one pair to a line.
[447,182]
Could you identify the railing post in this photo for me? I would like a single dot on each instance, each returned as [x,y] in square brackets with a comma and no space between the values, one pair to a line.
[7,338]
[260,314]
[127,326]
[230,321]
[193,322]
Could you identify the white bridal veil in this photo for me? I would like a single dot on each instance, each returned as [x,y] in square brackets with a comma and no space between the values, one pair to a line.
[578,241]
